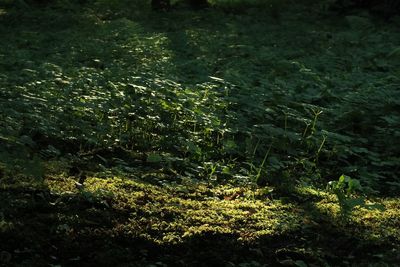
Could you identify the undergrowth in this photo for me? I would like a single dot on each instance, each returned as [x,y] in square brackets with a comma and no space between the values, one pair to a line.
[204,94]
[189,105]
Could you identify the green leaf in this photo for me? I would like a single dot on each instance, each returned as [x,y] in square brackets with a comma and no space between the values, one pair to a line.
[354,185]
[354,202]
[375,206]
[300,263]
[154,158]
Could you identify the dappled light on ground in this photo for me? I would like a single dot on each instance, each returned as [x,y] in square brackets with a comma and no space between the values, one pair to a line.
[241,135]
[124,215]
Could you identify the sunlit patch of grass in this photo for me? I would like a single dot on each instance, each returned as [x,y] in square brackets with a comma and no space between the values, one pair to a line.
[131,209]
[167,215]
[381,224]
[369,224]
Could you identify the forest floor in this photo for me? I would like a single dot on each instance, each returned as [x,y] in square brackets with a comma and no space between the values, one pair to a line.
[198,137]
[125,222]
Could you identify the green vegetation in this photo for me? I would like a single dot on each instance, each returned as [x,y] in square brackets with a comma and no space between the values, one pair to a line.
[251,133]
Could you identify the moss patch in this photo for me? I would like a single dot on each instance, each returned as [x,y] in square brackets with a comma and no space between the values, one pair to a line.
[120,221]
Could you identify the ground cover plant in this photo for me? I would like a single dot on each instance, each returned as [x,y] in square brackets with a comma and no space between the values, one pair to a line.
[249,133]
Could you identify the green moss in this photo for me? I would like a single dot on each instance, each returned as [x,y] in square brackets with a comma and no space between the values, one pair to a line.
[164,216]
[114,210]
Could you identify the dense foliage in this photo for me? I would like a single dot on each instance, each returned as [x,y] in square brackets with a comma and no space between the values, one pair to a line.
[249,99]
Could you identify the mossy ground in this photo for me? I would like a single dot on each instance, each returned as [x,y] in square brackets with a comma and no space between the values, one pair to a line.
[125,222]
